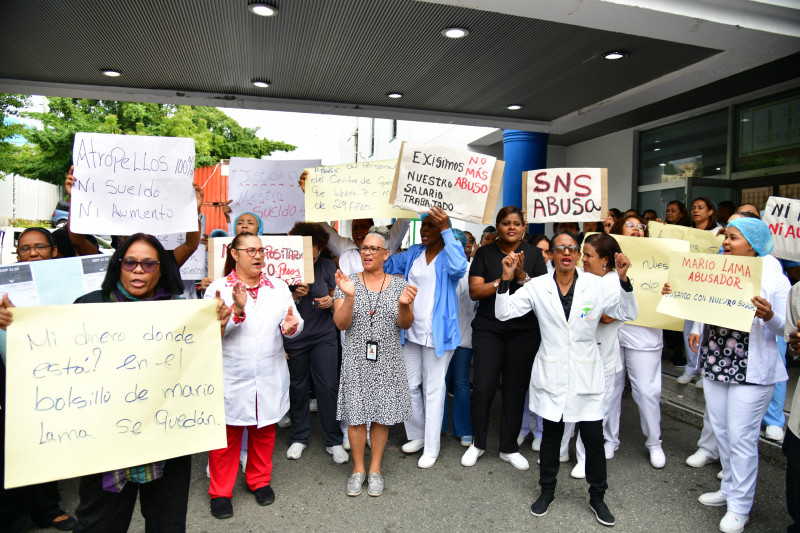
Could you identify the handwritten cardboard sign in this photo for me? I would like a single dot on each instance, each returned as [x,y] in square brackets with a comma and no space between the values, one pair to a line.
[700,241]
[713,289]
[649,270]
[782,215]
[52,282]
[269,189]
[132,183]
[111,386]
[463,184]
[289,258]
[351,191]
[195,267]
[565,194]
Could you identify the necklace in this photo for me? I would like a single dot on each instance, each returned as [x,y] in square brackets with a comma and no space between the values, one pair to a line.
[369,297]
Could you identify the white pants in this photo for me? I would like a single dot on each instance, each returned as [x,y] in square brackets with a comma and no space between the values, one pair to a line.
[426,374]
[608,404]
[707,442]
[735,413]
[644,370]
[531,422]
[694,363]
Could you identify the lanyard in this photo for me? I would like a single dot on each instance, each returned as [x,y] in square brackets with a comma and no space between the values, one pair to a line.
[373,308]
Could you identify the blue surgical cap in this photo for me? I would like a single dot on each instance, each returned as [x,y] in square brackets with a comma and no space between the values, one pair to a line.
[460,237]
[756,232]
[219,233]
[258,218]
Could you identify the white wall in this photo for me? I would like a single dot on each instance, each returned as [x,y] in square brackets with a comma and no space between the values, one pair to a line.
[28,199]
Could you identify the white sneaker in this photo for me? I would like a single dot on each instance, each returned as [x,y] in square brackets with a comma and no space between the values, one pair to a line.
[346,441]
[609,448]
[713,499]
[414,445]
[295,450]
[657,457]
[733,523]
[699,458]
[685,378]
[516,459]
[699,383]
[208,471]
[579,471]
[312,405]
[719,475]
[285,422]
[521,438]
[470,456]
[339,455]
[562,459]
[426,461]
[243,459]
[536,445]
[774,433]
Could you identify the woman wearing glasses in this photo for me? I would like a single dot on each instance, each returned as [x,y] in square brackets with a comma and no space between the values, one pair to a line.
[567,383]
[641,349]
[137,272]
[434,267]
[254,371]
[371,308]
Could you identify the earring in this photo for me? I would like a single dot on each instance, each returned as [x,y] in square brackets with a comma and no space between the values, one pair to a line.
[605,265]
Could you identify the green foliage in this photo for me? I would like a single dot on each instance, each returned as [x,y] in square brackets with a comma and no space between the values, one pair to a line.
[10,104]
[49,155]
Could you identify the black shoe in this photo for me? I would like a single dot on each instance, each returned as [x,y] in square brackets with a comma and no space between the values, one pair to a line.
[602,513]
[221,508]
[68,524]
[539,507]
[265,495]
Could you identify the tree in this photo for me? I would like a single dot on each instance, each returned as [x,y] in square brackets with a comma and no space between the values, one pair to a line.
[10,105]
[49,154]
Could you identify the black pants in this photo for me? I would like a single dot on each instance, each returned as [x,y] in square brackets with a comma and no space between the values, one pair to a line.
[592,436]
[163,502]
[497,353]
[791,449]
[319,362]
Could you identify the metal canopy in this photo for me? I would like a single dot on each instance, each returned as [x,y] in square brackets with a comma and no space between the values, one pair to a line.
[344,56]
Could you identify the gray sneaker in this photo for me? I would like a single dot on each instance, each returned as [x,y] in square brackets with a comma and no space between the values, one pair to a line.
[354,483]
[375,484]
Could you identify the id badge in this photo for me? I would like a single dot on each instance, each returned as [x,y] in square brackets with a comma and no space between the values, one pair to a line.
[372,351]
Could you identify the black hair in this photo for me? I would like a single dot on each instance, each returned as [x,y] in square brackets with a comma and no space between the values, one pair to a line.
[616,229]
[170,273]
[644,213]
[571,234]
[47,235]
[319,237]
[747,214]
[533,240]
[605,245]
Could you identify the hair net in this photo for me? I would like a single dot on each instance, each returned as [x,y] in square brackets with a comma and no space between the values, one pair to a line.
[757,234]
[258,219]
[461,237]
[219,233]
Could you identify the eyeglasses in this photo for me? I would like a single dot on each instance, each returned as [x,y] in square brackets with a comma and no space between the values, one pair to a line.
[129,264]
[572,248]
[39,247]
[253,251]
[371,250]
[631,225]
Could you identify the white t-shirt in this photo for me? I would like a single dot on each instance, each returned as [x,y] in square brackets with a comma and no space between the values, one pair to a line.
[423,276]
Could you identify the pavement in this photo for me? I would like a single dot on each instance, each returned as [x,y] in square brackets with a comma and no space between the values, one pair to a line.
[492,495]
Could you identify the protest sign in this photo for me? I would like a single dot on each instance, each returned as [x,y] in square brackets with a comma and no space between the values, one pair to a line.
[565,194]
[269,189]
[52,282]
[649,269]
[463,184]
[195,267]
[700,241]
[713,289]
[782,215]
[289,258]
[132,183]
[355,190]
[97,387]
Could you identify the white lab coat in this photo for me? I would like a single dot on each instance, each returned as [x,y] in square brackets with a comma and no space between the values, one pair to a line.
[567,379]
[255,375]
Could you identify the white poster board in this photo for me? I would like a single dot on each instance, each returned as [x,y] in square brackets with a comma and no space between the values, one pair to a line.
[52,282]
[132,183]
[565,194]
[782,216]
[195,267]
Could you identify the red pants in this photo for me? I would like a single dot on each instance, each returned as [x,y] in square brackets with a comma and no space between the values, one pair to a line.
[223,464]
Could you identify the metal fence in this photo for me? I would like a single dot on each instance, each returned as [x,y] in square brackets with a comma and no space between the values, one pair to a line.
[25,198]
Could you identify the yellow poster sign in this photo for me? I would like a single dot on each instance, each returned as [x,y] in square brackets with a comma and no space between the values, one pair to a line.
[713,289]
[649,269]
[97,387]
[355,190]
[700,241]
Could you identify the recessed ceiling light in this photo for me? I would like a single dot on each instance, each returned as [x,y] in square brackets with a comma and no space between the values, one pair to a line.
[718,168]
[262,9]
[394,95]
[662,164]
[111,73]
[614,55]
[260,83]
[455,33]
[514,107]
[656,149]
[745,120]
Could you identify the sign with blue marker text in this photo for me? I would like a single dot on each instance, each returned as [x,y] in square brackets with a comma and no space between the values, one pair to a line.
[782,216]
[110,386]
[132,183]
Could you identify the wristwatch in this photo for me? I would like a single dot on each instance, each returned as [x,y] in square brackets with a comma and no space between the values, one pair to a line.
[496,283]
[524,281]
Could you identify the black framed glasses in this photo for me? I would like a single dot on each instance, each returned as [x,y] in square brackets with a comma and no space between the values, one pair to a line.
[253,251]
[129,264]
[371,250]
[39,247]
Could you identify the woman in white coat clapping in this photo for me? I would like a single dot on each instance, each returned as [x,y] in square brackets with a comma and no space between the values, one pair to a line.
[567,382]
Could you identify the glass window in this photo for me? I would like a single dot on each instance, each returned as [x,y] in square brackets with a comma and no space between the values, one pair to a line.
[768,132]
[658,200]
[692,148]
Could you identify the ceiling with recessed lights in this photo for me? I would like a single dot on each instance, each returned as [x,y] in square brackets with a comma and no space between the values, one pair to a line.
[349,56]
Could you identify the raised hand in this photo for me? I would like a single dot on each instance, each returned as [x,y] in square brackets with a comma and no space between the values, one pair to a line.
[345,284]
[6,316]
[223,311]
[290,322]
[510,263]
[622,263]
[441,219]
[301,181]
[69,181]
[519,270]
[408,295]
[239,298]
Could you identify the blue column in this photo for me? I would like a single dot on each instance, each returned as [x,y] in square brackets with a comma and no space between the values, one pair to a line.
[522,151]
